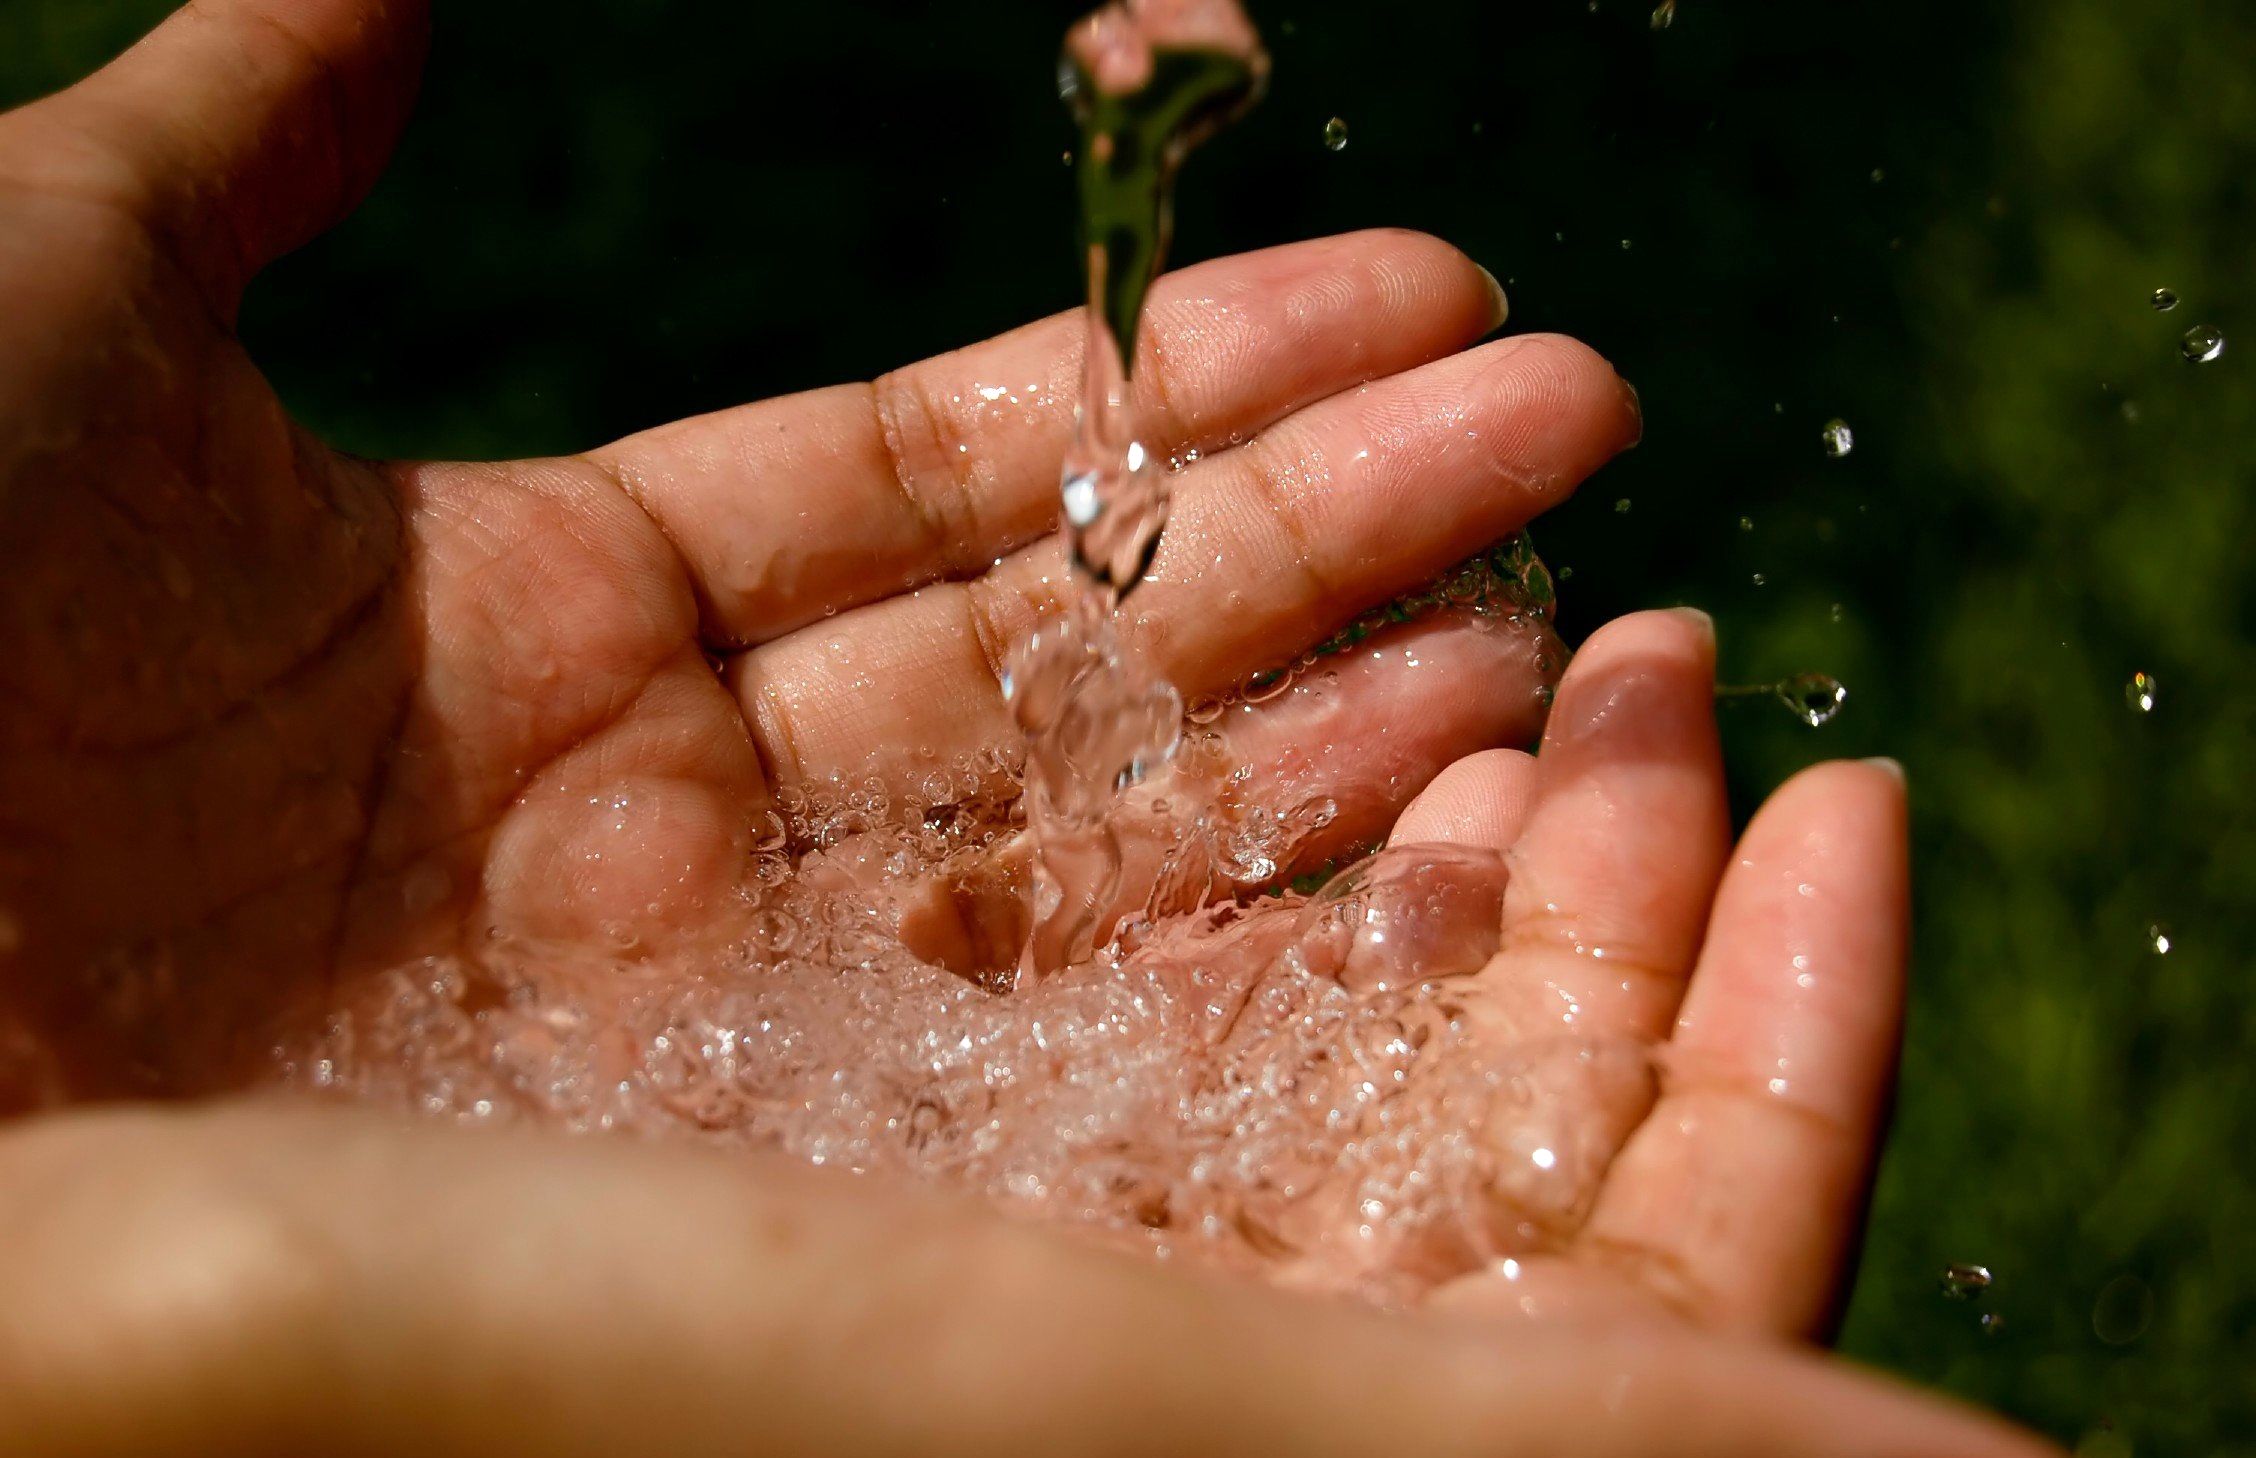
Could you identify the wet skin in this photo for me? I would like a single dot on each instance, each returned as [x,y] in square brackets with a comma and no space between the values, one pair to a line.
[275,719]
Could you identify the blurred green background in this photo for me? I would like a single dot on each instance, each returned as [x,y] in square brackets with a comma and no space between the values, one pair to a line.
[1941,223]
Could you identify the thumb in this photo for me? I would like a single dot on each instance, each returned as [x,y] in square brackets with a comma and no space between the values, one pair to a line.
[240,129]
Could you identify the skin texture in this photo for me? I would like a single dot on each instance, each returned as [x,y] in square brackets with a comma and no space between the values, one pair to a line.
[276,718]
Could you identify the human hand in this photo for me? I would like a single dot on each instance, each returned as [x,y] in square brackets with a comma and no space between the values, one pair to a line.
[280,718]
[283,720]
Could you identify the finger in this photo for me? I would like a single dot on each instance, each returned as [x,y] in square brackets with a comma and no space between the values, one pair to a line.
[1481,800]
[1614,869]
[239,129]
[1368,495]
[1336,756]
[1741,1193]
[1349,504]
[277,1280]
[791,509]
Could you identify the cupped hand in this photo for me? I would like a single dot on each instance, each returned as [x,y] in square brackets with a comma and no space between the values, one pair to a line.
[279,716]
[277,719]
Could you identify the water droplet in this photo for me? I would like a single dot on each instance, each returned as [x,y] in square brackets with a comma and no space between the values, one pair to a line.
[2164,301]
[2202,343]
[1621,507]
[2123,1311]
[1335,134]
[1965,1282]
[2158,937]
[1083,502]
[2140,692]
[1879,175]
[1813,697]
[1839,439]
[1992,1323]
[1836,614]
[1664,15]
[1625,245]
[1760,579]
[1746,523]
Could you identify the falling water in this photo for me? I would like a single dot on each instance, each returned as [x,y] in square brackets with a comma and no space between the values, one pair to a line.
[1146,82]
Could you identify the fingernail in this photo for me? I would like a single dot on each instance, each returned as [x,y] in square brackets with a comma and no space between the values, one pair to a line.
[1503,309]
[1699,622]
[1636,414]
[1894,767]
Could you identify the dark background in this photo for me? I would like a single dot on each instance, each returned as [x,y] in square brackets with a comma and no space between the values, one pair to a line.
[1939,222]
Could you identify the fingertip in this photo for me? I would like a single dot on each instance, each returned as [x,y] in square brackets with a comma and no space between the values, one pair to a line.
[1481,800]
[1648,675]
[1678,632]
[1582,391]
[1852,810]
[1500,302]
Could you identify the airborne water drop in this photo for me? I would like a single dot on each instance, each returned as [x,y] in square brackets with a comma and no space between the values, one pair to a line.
[2202,343]
[1963,1281]
[1814,697]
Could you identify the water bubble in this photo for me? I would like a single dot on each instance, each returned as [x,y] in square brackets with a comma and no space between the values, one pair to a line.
[1664,15]
[2124,1309]
[1335,134]
[1410,914]
[1814,698]
[1839,439]
[2202,343]
[2140,692]
[2164,301]
[1964,1282]
[2158,937]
